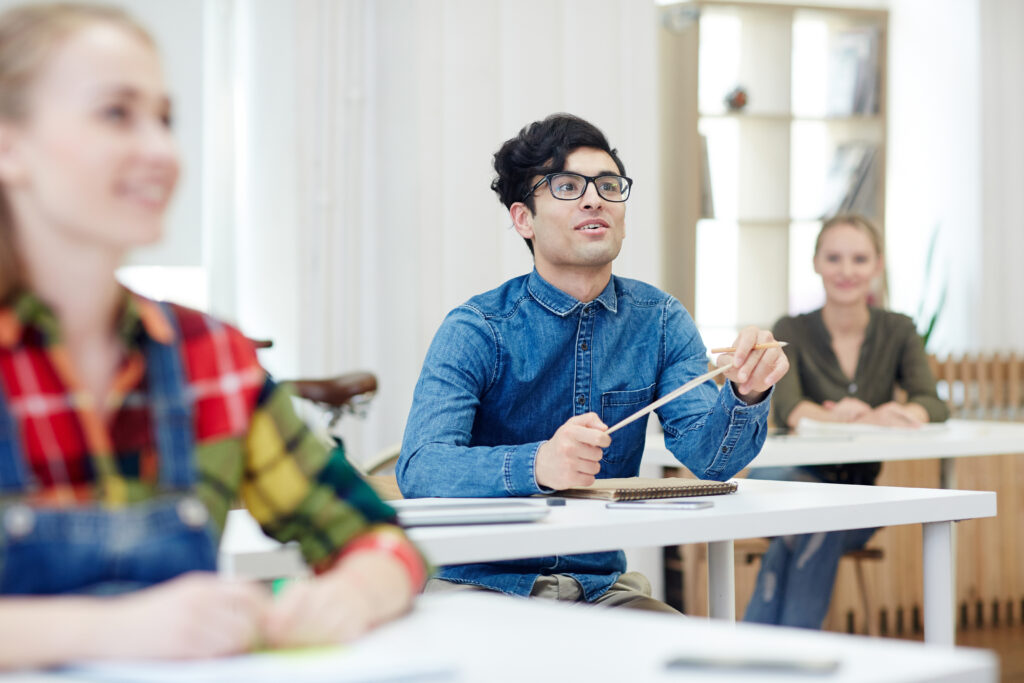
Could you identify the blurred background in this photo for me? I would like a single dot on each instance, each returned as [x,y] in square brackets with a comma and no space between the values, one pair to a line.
[336,200]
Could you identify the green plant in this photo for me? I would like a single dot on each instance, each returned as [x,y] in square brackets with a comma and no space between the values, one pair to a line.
[926,320]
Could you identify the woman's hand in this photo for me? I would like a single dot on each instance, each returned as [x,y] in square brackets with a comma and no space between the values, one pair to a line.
[847,409]
[893,414]
[196,615]
[363,590]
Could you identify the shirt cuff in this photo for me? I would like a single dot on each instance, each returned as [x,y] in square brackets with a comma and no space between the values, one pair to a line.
[738,403]
[518,472]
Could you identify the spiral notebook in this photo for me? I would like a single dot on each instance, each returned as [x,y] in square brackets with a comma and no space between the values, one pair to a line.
[642,488]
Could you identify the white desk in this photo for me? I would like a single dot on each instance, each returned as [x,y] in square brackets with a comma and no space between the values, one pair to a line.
[958,439]
[476,637]
[760,508]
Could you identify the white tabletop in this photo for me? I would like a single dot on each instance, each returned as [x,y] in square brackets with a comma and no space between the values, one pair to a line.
[758,508]
[474,637]
[956,438]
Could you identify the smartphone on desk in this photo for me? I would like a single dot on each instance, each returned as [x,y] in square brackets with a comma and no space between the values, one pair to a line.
[804,666]
[659,504]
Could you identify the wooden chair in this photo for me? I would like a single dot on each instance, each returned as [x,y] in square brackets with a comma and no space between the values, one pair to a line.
[752,550]
[349,394]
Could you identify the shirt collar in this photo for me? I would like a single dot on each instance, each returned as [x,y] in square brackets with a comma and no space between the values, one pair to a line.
[562,304]
[139,316]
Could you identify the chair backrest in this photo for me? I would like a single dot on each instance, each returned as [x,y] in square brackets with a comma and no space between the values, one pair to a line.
[982,386]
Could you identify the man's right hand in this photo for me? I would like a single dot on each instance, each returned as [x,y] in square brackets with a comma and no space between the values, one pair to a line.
[573,454]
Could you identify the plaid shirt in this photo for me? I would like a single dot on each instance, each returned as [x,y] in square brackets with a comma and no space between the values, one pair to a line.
[248,441]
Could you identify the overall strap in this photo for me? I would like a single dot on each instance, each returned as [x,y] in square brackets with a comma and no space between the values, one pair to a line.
[170,401]
[14,475]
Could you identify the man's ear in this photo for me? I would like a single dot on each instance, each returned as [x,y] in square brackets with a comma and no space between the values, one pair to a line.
[522,219]
[11,168]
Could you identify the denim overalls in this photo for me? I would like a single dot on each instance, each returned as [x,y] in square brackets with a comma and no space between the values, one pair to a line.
[100,550]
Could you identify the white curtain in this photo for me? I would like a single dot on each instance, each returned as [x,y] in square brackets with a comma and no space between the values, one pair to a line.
[1002,152]
[363,134]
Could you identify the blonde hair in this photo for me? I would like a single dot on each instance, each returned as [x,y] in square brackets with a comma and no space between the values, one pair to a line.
[28,36]
[854,220]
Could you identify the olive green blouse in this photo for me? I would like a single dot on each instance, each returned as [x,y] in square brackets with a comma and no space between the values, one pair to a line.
[892,354]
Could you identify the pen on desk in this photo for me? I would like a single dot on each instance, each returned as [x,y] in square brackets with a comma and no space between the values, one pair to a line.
[757,347]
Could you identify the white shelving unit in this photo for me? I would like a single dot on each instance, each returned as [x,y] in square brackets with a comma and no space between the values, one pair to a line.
[769,162]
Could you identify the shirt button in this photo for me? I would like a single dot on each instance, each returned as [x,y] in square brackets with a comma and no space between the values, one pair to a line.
[584,346]
[19,520]
[192,513]
[725,449]
[852,388]
[580,399]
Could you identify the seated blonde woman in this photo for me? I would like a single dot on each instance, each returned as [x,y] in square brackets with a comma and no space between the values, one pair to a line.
[846,360]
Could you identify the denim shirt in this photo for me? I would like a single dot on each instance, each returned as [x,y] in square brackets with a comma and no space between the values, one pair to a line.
[510,366]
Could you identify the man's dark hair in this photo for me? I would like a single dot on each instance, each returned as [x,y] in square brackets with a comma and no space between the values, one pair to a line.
[541,148]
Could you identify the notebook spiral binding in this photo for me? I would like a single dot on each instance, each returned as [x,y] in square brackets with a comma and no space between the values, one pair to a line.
[651,493]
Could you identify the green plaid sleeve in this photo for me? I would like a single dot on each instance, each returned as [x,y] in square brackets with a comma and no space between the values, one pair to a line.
[297,490]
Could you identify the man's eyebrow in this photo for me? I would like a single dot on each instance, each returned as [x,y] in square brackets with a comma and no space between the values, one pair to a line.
[596,175]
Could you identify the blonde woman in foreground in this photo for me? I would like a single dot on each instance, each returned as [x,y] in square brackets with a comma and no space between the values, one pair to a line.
[128,427]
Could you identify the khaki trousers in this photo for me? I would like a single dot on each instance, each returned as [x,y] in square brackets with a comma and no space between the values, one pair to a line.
[632,590]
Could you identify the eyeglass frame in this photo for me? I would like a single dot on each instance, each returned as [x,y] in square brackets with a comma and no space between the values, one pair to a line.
[589,180]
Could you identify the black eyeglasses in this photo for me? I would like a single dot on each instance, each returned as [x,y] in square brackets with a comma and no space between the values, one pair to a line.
[569,186]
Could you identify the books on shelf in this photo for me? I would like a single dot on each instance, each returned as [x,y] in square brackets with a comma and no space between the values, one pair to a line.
[851,185]
[853,72]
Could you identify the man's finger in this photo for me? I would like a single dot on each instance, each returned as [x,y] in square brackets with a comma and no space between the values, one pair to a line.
[591,436]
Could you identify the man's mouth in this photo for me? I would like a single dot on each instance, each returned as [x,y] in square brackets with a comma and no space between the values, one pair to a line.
[592,226]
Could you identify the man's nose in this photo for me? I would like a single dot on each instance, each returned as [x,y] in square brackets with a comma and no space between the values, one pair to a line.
[591,199]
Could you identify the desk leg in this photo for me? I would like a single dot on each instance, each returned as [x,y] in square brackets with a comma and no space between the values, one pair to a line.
[721,581]
[939,595]
[947,473]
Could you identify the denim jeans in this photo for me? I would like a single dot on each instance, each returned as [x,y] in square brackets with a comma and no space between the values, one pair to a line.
[98,549]
[794,585]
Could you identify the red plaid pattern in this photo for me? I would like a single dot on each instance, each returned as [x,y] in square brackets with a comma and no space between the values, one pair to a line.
[67,442]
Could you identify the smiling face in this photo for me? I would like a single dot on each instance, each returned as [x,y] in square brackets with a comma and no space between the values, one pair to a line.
[847,262]
[581,234]
[92,159]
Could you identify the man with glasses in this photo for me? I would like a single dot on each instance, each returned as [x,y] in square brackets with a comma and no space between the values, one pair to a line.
[521,382]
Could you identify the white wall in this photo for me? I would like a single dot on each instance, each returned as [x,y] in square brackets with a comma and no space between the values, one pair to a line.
[363,138]
[1000,296]
[368,188]
[347,206]
[934,163]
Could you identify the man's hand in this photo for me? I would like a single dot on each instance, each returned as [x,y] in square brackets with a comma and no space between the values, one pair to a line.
[847,409]
[573,454]
[755,371]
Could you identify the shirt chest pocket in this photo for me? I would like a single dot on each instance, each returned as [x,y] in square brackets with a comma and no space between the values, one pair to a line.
[628,442]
